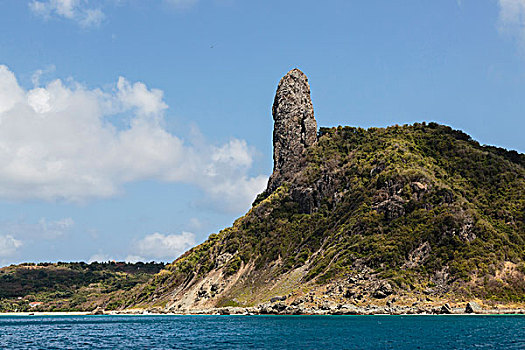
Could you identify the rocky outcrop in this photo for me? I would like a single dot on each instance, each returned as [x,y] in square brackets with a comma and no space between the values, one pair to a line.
[446,309]
[98,311]
[384,290]
[295,128]
[473,307]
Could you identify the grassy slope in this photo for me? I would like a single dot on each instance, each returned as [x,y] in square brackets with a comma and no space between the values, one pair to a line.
[422,206]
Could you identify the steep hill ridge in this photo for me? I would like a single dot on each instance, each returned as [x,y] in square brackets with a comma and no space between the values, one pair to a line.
[412,213]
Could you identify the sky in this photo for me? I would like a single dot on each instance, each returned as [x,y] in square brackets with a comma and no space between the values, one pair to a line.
[131,130]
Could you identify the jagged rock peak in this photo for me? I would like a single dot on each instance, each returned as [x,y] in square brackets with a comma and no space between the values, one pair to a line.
[295,128]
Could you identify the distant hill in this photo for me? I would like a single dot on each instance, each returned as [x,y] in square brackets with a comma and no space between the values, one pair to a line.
[68,286]
[400,214]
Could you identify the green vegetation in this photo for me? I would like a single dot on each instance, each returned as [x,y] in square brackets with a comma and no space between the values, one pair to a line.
[423,206]
[69,286]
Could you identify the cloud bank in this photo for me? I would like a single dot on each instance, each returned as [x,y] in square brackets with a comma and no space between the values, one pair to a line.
[61,142]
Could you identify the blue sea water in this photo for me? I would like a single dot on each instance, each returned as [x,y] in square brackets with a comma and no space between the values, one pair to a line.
[263,332]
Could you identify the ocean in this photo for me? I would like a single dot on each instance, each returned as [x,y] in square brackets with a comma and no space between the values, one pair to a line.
[262,332]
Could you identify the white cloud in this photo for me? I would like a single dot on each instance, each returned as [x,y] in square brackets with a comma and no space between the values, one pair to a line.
[56,142]
[75,10]
[10,92]
[147,102]
[512,20]
[159,246]
[8,245]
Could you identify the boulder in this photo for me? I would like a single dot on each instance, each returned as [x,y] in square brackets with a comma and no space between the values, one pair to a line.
[473,307]
[98,311]
[378,294]
[384,290]
[279,307]
[276,299]
[446,309]
[224,311]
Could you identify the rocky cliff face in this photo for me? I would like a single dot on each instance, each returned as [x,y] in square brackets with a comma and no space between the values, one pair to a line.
[295,128]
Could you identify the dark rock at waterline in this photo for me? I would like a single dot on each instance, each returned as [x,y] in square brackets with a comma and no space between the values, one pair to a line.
[473,307]
[97,311]
[446,309]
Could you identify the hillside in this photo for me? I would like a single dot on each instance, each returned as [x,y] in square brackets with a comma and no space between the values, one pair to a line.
[68,286]
[412,213]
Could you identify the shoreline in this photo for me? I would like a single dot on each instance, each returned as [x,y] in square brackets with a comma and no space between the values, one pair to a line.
[67,314]
[238,311]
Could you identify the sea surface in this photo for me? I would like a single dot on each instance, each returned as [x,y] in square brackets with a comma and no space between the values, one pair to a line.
[262,332]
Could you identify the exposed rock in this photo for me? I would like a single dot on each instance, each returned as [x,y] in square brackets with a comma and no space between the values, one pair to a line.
[347,309]
[384,290]
[327,306]
[276,299]
[298,302]
[98,311]
[473,307]
[202,293]
[418,255]
[349,293]
[295,128]
[224,311]
[466,232]
[392,208]
[279,307]
[446,309]
[418,186]
[307,198]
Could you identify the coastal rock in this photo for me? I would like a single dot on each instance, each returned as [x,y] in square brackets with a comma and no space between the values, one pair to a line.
[295,128]
[384,290]
[446,309]
[279,307]
[473,307]
[98,311]
[224,311]
[347,309]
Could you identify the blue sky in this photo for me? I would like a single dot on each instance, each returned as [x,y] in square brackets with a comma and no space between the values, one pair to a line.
[133,129]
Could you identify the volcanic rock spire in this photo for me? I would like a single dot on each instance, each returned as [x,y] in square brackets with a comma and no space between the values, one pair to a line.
[295,128]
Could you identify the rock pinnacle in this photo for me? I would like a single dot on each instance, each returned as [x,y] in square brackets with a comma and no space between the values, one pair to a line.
[295,128]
